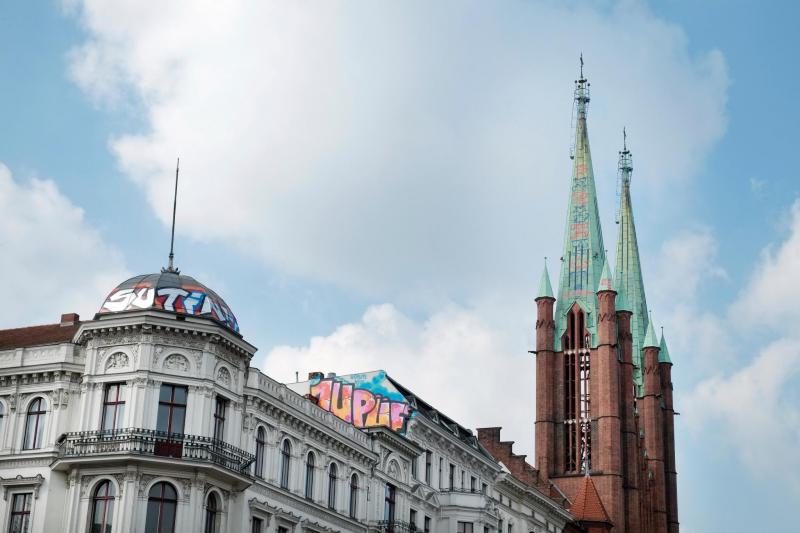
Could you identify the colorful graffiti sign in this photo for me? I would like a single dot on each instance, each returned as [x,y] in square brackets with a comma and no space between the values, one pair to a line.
[169,292]
[364,400]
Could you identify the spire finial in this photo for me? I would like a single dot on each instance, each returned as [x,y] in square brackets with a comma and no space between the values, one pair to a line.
[170,266]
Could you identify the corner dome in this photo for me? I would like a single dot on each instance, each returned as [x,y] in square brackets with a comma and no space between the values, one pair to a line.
[169,291]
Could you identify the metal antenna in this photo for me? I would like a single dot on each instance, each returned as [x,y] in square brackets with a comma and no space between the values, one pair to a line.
[581,65]
[170,267]
[624,140]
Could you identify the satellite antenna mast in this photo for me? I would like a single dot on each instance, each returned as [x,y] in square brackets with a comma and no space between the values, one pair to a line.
[170,267]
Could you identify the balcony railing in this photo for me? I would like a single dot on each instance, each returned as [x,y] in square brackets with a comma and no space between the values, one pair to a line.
[148,442]
[395,526]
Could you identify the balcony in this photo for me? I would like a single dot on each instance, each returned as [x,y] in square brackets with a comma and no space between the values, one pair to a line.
[146,445]
[455,497]
[394,526]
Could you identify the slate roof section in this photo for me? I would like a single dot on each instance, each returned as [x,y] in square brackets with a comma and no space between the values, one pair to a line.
[425,409]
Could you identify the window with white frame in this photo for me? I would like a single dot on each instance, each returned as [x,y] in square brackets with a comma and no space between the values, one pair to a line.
[113,407]
[34,425]
[20,517]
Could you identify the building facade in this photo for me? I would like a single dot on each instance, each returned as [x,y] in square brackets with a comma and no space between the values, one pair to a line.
[150,418]
[604,411]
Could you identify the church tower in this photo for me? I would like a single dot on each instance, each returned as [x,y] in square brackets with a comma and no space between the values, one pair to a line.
[603,381]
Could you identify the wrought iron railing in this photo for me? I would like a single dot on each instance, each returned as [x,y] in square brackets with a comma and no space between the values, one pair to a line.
[462,490]
[395,526]
[138,441]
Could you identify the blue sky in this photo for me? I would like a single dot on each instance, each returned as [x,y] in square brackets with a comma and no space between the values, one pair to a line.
[365,187]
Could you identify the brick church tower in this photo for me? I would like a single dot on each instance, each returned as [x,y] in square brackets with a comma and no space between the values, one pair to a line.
[603,381]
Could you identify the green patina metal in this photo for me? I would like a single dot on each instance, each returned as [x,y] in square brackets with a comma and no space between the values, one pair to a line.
[622,300]
[606,284]
[650,340]
[628,272]
[545,288]
[584,255]
[663,354]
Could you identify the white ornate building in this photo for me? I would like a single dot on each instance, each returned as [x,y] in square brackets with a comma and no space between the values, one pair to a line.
[150,418]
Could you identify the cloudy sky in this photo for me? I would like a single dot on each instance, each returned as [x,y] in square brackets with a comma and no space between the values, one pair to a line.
[375,185]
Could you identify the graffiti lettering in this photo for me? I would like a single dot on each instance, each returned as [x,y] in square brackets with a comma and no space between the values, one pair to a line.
[357,404]
[185,300]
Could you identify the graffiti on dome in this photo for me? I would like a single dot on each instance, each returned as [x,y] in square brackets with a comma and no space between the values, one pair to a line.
[186,300]
[364,400]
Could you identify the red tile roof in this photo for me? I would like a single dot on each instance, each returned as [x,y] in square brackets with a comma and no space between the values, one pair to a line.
[587,506]
[37,335]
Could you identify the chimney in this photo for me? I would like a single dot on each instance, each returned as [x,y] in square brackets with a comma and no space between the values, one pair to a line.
[69,319]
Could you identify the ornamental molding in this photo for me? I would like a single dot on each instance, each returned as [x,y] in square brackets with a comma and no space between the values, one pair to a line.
[118,361]
[177,362]
[33,482]
[278,504]
[224,376]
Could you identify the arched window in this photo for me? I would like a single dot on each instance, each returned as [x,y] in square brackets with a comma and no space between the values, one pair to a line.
[332,486]
[103,508]
[261,442]
[34,425]
[286,455]
[162,503]
[353,495]
[310,476]
[212,513]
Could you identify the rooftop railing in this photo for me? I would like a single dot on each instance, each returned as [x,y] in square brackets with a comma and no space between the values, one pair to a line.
[148,442]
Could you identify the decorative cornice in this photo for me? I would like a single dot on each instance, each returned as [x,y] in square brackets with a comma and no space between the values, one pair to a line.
[34,482]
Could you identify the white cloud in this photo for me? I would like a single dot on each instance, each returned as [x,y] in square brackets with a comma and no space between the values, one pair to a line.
[53,261]
[458,360]
[752,408]
[674,279]
[407,150]
[771,296]
[755,412]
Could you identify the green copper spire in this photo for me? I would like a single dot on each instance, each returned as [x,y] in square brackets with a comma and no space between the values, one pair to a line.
[650,340]
[605,278]
[545,288]
[582,262]
[663,354]
[628,271]
[622,300]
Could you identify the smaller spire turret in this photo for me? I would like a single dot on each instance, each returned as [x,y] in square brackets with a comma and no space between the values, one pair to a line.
[545,288]
[650,340]
[663,354]
[622,300]
[606,283]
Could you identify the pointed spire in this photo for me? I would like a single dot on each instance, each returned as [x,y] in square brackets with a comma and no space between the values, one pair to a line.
[170,266]
[545,288]
[663,354]
[628,271]
[584,253]
[587,506]
[650,340]
[622,300]
[606,283]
